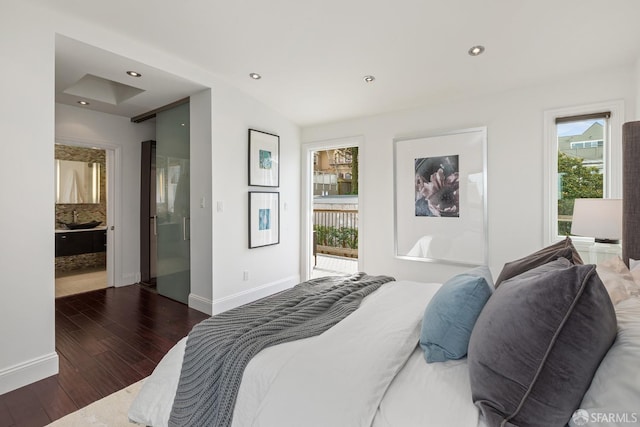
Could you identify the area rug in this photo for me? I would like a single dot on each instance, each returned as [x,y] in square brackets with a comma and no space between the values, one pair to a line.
[110,411]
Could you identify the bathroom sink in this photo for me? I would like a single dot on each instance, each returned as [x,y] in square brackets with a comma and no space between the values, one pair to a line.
[81,225]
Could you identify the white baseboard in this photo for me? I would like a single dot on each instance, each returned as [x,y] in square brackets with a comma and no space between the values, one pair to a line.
[28,372]
[128,279]
[203,305]
[244,297]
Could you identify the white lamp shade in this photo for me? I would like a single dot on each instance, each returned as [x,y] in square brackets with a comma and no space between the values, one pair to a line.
[598,218]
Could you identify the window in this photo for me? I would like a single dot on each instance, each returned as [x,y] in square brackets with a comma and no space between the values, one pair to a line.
[342,156]
[587,144]
[581,144]
[584,160]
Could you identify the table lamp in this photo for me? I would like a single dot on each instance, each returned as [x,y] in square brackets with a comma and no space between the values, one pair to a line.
[600,219]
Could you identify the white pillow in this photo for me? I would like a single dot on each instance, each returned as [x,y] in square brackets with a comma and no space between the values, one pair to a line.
[152,406]
[634,265]
[613,399]
[617,278]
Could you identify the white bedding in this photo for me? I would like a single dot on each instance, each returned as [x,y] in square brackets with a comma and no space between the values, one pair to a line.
[428,394]
[365,371]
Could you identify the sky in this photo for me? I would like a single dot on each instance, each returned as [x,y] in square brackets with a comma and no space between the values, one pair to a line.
[576,128]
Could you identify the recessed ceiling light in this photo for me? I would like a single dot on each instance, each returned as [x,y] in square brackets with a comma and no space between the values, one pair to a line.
[83,103]
[134,74]
[369,79]
[476,50]
[255,76]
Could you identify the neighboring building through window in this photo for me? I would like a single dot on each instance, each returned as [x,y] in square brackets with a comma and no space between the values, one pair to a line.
[335,171]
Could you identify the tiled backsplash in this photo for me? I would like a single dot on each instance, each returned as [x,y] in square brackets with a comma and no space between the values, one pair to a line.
[81,262]
[86,212]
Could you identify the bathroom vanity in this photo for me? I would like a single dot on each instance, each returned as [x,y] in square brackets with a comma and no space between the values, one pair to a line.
[76,242]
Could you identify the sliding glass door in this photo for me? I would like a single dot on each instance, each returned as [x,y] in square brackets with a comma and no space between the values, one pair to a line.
[172,203]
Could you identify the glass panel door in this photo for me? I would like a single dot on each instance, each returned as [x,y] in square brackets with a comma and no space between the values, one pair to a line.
[172,203]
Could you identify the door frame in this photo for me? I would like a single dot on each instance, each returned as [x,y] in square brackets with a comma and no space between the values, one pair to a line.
[114,194]
[306,222]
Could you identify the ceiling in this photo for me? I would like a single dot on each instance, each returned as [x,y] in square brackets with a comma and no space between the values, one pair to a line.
[313,54]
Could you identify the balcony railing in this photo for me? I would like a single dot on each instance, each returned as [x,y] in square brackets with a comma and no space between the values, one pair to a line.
[336,232]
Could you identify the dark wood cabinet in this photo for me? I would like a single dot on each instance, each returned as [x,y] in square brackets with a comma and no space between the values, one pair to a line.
[81,242]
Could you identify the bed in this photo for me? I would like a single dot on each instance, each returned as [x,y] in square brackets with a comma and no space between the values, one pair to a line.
[371,369]
[550,342]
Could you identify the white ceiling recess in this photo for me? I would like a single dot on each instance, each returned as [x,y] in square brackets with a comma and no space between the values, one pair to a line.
[99,77]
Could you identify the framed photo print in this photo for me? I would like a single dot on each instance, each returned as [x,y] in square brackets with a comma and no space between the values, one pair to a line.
[264,159]
[441,197]
[264,219]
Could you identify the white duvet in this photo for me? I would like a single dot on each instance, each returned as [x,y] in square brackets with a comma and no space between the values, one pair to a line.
[365,371]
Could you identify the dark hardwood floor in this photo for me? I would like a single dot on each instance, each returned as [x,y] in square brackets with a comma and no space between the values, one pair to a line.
[106,340]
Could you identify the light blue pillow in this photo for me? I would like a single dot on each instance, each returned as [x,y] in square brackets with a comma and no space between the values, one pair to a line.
[485,273]
[451,314]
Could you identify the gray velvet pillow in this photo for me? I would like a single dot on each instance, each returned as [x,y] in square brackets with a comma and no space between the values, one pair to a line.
[562,249]
[537,344]
[542,269]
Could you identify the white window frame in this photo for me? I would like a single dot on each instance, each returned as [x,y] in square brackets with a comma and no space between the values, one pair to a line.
[612,162]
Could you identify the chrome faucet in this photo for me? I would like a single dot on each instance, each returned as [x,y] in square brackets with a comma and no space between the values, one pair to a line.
[74,215]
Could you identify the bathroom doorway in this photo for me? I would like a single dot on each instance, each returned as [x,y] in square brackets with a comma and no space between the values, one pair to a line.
[83,217]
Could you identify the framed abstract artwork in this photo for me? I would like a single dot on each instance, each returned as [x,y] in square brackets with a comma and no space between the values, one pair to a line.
[441,197]
[264,159]
[264,218]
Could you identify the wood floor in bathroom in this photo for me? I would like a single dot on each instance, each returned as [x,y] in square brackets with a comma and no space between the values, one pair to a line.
[106,340]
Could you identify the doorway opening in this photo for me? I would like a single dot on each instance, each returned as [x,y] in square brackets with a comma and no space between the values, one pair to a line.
[332,206]
[83,212]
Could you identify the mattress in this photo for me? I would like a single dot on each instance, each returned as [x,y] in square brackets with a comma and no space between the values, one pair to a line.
[368,370]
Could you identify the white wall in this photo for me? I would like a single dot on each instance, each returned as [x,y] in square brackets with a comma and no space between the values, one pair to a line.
[515,164]
[74,124]
[201,202]
[27,250]
[270,268]
[27,48]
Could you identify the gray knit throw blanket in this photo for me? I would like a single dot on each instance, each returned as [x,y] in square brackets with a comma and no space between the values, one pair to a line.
[219,348]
